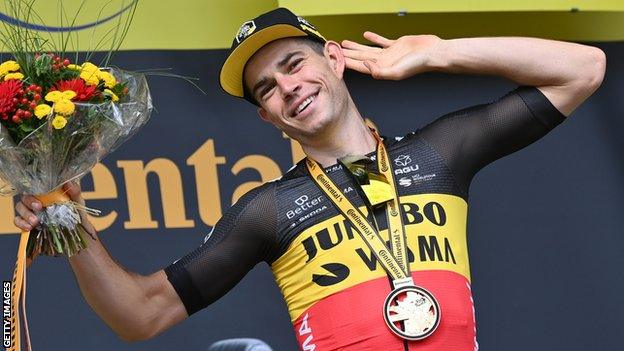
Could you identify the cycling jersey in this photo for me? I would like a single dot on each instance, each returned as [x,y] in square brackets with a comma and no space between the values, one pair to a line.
[332,283]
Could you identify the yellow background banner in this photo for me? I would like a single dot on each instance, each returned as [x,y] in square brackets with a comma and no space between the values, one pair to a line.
[197,24]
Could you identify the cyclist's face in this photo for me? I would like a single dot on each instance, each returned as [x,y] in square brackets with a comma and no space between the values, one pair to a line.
[299,91]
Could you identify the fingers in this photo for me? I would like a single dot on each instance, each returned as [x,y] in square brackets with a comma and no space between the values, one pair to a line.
[378,39]
[359,54]
[31,203]
[27,219]
[72,188]
[348,44]
[22,224]
[372,68]
[356,65]
[378,71]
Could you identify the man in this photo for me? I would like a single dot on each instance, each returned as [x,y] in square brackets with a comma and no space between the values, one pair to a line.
[320,226]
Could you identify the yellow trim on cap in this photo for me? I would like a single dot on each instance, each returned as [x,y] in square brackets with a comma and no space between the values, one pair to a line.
[231,76]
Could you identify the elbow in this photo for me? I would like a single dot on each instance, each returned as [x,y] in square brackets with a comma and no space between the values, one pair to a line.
[135,334]
[596,70]
[591,76]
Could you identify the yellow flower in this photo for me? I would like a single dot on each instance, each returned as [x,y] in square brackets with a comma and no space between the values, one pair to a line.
[42,110]
[9,66]
[88,66]
[74,67]
[69,94]
[109,79]
[64,107]
[54,96]
[109,92]
[59,122]
[16,75]
[90,77]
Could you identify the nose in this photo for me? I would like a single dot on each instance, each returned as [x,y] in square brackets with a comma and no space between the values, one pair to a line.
[288,85]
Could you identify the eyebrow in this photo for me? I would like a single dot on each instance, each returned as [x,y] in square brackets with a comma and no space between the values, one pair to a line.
[280,64]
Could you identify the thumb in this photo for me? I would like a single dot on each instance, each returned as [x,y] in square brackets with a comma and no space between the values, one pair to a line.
[72,189]
[373,68]
[382,71]
[74,192]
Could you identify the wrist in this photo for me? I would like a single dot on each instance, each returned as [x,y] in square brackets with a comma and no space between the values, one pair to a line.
[439,57]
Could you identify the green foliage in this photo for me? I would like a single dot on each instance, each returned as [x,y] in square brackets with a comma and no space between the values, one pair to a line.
[24,43]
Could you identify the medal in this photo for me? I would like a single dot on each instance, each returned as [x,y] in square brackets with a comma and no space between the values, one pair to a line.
[411,312]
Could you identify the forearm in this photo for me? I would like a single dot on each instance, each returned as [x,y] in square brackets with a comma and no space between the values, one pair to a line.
[116,295]
[526,61]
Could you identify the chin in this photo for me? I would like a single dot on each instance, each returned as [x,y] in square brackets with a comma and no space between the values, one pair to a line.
[317,124]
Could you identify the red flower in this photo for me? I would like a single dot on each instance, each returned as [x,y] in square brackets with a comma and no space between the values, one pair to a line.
[83,92]
[9,90]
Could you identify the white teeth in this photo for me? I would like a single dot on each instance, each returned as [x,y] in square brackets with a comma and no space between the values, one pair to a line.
[304,104]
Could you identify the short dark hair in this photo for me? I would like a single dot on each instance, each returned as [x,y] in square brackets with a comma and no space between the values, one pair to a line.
[316,46]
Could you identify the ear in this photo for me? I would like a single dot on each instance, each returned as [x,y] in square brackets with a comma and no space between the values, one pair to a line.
[263,115]
[335,57]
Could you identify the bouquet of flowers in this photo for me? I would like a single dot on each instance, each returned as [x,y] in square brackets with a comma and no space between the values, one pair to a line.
[58,119]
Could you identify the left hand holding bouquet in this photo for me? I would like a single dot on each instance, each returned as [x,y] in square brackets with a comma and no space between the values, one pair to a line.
[58,118]
[29,207]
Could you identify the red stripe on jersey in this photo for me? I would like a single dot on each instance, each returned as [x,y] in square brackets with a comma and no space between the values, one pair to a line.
[352,319]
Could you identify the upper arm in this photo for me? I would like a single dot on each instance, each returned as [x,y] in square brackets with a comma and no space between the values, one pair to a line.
[243,237]
[567,97]
[165,306]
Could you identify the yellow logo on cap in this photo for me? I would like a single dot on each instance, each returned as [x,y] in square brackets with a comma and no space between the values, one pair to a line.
[309,29]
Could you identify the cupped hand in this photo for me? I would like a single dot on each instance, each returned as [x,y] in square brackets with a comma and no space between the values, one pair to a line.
[28,207]
[391,59]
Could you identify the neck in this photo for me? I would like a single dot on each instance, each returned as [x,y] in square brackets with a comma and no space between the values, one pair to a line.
[350,137]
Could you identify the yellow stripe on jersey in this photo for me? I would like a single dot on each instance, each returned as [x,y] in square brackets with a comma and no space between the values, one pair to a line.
[327,257]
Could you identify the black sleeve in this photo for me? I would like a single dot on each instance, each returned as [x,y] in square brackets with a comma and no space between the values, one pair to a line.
[243,237]
[471,138]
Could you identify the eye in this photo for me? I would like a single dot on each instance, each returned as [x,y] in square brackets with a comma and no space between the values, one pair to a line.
[294,64]
[266,90]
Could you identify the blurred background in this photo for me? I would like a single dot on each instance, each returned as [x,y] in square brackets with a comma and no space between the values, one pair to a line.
[545,224]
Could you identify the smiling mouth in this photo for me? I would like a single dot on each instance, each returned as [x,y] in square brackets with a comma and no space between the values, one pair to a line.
[304,104]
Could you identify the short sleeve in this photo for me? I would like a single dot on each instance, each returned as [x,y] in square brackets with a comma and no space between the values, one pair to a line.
[242,238]
[473,137]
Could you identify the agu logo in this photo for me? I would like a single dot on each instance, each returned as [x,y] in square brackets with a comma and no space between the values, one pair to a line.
[403,160]
[404,166]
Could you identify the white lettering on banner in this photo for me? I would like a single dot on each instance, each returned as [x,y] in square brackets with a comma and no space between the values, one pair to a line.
[141,197]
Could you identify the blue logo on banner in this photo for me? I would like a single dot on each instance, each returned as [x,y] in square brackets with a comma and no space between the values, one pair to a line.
[17,22]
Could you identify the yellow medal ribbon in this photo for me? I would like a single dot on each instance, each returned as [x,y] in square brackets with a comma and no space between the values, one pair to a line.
[18,288]
[395,262]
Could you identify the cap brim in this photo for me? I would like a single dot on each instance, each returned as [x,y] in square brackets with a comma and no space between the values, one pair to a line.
[231,77]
